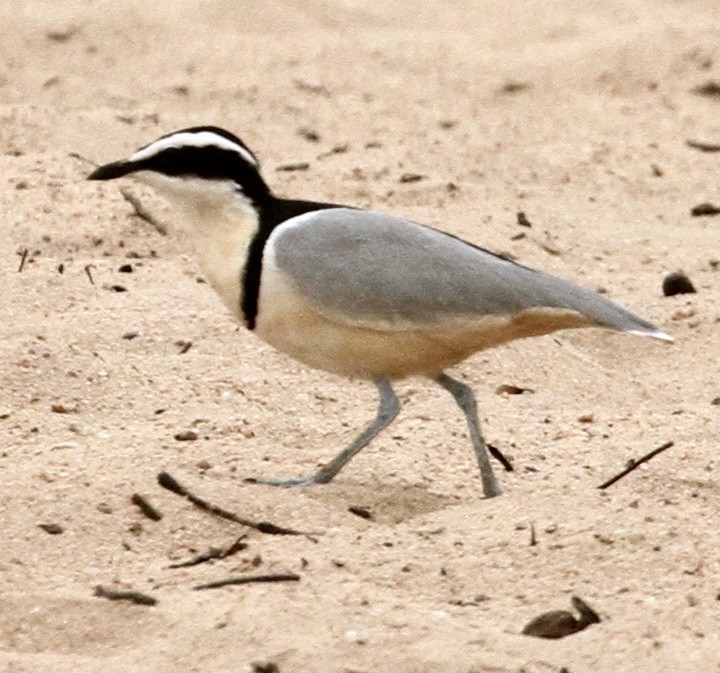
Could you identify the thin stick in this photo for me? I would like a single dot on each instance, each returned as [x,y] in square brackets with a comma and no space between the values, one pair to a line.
[212,554]
[634,464]
[75,155]
[143,213]
[23,256]
[132,596]
[495,453]
[702,146]
[145,507]
[171,484]
[248,579]
[89,274]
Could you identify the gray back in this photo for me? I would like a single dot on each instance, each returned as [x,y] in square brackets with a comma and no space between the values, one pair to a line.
[375,268]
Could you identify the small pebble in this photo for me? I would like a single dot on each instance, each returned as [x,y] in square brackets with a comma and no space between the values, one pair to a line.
[186,436]
[264,667]
[411,177]
[513,86]
[561,623]
[555,624]
[522,220]
[510,389]
[703,209]
[63,409]
[362,512]
[184,346]
[297,166]
[710,89]
[309,134]
[677,283]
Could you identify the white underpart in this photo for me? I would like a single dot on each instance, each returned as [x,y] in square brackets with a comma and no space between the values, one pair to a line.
[197,196]
[198,139]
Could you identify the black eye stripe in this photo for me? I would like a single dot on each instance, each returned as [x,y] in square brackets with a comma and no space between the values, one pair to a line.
[209,163]
[203,162]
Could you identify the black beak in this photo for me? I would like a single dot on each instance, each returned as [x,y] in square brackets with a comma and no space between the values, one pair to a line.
[116,169]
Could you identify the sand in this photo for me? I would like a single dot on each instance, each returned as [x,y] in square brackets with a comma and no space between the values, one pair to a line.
[576,114]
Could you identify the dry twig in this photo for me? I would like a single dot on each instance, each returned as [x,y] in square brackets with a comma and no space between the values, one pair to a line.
[702,146]
[145,507]
[634,464]
[89,273]
[23,257]
[132,596]
[497,455]
[143,213]
[212,554]
[171,484]
[248,579]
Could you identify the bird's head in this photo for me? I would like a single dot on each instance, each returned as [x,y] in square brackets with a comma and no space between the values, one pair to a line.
[200,167]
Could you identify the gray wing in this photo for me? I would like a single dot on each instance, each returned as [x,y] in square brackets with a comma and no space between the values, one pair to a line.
[386,272]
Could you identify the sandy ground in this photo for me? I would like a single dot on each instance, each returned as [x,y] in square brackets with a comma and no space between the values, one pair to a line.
[576,114]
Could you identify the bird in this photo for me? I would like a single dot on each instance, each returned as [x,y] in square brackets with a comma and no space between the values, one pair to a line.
[354,292]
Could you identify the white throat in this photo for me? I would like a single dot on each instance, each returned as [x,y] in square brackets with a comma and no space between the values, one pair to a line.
[218,223]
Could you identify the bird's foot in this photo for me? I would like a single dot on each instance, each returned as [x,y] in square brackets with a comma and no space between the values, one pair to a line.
[491,488]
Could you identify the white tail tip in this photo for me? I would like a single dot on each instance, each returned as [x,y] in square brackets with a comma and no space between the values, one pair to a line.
[655,334]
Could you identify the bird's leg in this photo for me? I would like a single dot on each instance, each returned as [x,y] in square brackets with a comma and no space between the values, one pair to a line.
[388,409]
[466,400]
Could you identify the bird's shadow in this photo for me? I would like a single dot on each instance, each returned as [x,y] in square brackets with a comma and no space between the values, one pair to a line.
[389,503]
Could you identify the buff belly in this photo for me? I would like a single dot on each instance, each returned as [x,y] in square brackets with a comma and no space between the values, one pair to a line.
[344,346]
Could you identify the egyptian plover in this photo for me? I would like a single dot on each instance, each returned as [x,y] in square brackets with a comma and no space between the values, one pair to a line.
[355,292]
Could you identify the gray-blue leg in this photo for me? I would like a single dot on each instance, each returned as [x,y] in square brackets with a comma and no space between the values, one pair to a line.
[466,400]
[387,411]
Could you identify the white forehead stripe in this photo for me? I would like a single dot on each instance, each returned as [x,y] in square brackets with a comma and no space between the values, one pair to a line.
[199,139]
